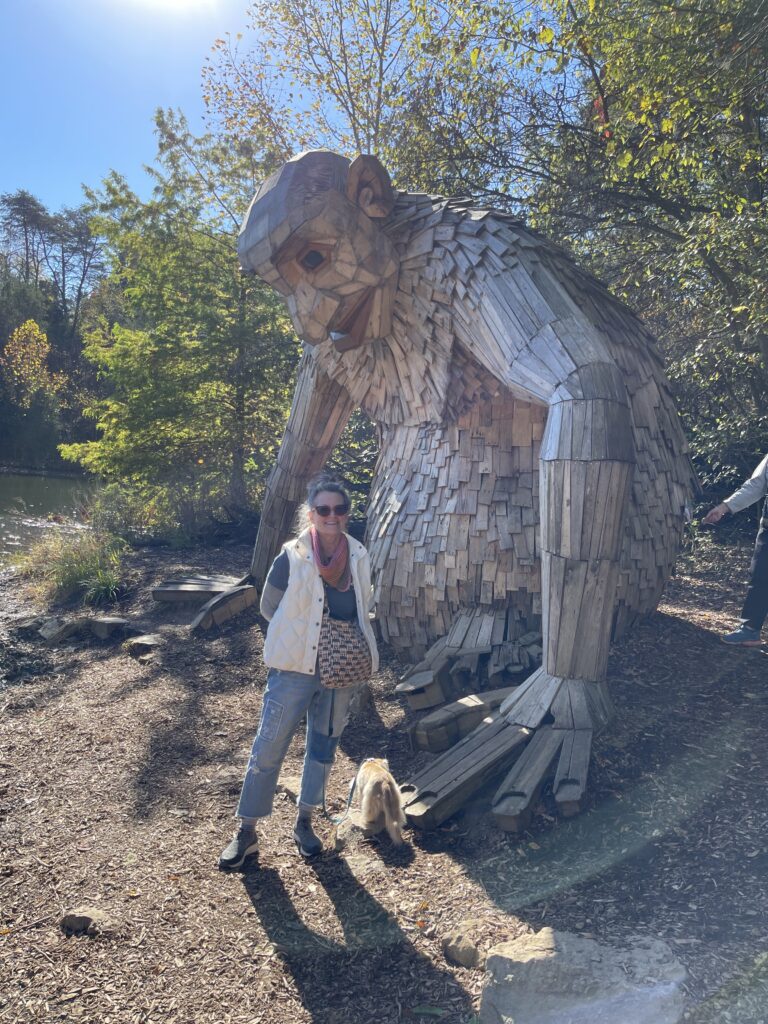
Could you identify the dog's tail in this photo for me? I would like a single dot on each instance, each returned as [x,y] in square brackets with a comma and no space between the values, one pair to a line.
[394,817]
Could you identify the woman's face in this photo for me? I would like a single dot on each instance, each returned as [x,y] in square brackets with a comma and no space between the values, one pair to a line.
[332,526]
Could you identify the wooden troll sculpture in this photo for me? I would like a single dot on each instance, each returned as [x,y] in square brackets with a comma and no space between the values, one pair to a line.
[532,472]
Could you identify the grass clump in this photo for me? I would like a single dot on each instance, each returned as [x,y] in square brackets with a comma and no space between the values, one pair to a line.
[87,563]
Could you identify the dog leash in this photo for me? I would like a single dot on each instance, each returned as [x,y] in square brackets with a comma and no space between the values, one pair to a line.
[352,787]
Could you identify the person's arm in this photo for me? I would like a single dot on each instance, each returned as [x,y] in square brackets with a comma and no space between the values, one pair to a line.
[369,597]
[275,586]
[751,490]
[716,514]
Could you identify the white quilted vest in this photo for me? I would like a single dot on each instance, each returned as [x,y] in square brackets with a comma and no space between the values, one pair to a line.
[294,631]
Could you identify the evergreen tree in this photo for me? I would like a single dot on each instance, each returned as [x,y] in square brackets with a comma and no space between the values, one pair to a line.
[199,360]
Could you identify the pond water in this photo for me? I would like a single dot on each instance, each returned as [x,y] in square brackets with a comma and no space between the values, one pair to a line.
[30,505]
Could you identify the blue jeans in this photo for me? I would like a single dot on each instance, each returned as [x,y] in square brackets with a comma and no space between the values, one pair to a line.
[288,696]
[755,609]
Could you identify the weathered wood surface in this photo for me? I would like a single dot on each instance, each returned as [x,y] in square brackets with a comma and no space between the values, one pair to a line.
[224,606]
[441,728]
[438,791]
[532,474]
[573,767]
[516,797]
[103,626]
[479,645]
[192,588]
[428,689]
[492,335]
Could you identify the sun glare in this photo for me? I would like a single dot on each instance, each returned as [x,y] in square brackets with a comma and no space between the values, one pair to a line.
[177,6]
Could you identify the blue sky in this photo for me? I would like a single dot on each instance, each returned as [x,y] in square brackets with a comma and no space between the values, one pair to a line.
[81,79]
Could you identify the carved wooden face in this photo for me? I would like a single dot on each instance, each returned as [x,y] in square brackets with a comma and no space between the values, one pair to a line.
[341,269]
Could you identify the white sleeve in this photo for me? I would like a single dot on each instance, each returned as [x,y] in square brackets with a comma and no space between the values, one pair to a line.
[751,490]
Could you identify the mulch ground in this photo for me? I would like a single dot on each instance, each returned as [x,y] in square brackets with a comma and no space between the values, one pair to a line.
[120,778]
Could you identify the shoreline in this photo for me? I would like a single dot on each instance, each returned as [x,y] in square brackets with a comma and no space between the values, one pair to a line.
[6,470]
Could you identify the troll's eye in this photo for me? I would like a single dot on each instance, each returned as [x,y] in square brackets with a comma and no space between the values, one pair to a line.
[312,259]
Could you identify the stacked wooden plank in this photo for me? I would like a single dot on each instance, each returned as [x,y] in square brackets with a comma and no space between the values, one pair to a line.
[319,414]
[192,589]
[480,645]
[454,777]
[440,729]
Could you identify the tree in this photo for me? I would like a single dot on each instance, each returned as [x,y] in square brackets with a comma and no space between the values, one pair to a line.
[49,264]
[317,75]
[24,220]
[73,258]
[200,368]
[634,130]
[24,366]
[30,400]
[631,130]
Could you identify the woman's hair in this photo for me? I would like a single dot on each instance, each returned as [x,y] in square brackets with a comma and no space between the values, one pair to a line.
[322,482]
[326,482]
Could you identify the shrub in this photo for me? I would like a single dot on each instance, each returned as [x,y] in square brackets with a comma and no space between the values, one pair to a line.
[68,563]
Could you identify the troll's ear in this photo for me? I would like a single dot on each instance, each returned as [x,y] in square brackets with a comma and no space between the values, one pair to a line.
[369,187]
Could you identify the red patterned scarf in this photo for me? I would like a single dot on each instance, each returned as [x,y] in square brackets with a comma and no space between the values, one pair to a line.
[335,571]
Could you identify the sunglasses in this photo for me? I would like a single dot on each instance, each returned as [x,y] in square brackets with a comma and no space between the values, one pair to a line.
[326,510]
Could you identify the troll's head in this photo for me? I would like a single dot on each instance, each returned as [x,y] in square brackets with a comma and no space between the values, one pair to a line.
[314,232]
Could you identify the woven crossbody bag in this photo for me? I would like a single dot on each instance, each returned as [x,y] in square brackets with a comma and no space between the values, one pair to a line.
[343,654]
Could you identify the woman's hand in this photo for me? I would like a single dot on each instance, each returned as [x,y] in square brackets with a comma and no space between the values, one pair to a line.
[716,514]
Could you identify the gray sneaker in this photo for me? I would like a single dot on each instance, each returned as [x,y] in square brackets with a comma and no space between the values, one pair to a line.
[244,844]
[744,636]
[308,843]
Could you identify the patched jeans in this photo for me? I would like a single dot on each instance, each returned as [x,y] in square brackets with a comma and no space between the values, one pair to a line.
[287,697]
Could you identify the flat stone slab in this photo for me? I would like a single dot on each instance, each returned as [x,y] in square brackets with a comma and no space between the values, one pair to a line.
[555,977]
[103,626]
[147,643]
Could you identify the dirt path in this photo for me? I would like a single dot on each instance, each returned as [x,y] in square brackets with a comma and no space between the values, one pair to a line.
[120,780]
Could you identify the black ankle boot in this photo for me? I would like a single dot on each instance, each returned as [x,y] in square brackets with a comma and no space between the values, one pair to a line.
[308,843]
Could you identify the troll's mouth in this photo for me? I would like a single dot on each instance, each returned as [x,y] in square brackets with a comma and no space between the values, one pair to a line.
[347,328]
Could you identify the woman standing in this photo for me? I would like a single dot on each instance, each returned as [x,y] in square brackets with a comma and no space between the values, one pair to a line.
[322,568]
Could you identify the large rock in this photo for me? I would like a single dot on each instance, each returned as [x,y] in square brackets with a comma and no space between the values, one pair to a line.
[56,630]
[558,978]
[461,945]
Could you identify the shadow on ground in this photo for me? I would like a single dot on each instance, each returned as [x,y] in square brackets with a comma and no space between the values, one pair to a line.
[342,979]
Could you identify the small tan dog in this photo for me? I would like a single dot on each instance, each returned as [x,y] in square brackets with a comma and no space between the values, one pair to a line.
[380,801]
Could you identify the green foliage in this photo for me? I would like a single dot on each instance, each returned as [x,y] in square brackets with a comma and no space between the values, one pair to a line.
[86,562]
[130,513]
[634,131]
[354,456]
[24,370]
[331,75]
[198,359]
[49,263]
[103,586]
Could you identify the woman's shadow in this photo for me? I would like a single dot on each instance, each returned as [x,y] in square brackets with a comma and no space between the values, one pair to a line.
[373,973]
